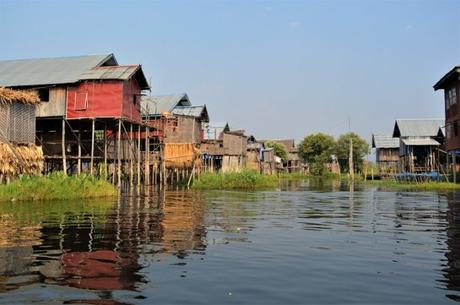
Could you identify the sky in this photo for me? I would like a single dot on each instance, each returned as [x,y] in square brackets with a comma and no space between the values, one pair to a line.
[278,69]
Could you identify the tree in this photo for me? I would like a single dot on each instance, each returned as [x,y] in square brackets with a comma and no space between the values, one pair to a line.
[360,150]
[316,150]
[278,148]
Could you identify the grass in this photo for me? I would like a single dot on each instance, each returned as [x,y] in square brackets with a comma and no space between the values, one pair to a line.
[56,186]
[427,186]
[244,180]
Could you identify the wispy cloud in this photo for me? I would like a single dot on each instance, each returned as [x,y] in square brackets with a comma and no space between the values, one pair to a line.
[293,24]
[409,27]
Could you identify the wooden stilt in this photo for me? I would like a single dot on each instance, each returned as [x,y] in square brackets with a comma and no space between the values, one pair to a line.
[105,151]
[64,161]
[147,157]
[79,153]
[454,165]
[93,130]
[131,156]
[119,154]
[139,155]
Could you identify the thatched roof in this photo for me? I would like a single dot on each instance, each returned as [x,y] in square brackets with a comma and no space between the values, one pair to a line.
[8,96]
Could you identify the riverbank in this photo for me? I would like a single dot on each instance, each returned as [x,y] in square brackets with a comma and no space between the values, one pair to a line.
[56,186]
[245,180]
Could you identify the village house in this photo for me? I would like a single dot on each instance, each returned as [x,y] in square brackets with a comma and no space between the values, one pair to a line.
[87,103]
[421,142]
[292,164]
[386,153]
[450,83]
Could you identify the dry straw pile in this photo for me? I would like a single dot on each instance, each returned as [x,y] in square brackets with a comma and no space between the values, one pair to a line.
[8,96]
[20,159]
[180,155]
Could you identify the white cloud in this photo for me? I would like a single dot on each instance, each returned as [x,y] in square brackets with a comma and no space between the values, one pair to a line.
[293,24]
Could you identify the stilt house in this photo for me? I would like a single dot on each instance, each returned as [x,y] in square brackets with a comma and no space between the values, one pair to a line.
[421,142]
[87,102]
[386,153]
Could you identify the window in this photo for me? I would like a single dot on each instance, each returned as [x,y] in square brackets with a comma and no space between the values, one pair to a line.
[44,94]
[451,97]
[81,101]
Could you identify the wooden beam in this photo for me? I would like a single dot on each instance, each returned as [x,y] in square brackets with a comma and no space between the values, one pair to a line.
[119,154]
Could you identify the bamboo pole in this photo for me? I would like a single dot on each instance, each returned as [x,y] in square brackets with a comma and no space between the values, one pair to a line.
[64,161]
[93,130]
[119,154]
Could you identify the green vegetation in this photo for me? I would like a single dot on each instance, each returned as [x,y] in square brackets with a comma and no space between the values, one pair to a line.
[342,151]
[316,150]
[427,186]
[246,179]
[56,186]
[319,149]
[278,148]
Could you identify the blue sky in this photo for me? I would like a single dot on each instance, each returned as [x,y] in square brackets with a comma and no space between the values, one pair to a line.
[279,69]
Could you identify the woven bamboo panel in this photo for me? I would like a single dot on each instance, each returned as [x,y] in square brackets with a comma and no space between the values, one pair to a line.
[21,123]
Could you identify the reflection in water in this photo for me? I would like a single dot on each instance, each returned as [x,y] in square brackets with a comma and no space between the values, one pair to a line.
[321,240]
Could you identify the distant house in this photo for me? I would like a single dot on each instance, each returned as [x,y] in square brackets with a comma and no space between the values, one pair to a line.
[292,164]
[450,83]
[420,143]
[386,153]
[174,119]
[234,144]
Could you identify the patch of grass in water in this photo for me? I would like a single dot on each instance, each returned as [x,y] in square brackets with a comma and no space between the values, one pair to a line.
[244,180]
[56,186]
[427,186]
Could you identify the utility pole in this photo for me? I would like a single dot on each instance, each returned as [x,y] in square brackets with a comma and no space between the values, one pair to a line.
[351,169]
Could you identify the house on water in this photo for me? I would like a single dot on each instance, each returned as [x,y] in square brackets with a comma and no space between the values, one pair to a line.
[87,103]
[450,83]
[421,143]
[386,153]
[292,164]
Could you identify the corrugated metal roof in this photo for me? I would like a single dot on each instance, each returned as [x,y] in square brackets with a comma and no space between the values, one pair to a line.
[418,128]
[48,71]
[384,141]
[193,111]
[213,131]
[156,105]
[111,72]
[420,142]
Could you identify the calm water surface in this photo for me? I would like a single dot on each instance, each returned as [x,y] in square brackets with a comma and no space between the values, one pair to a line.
[307,243]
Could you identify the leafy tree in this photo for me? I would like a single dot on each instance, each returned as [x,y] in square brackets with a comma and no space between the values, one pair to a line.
[360,150]
[278,148]
[316,150]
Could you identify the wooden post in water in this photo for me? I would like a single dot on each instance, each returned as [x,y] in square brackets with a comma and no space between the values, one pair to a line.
[454,165]
[119,154]
[64,161]
[93,127]
[138,155]
[147,157]
[79,152]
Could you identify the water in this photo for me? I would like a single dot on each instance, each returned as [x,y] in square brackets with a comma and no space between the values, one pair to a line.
[308,243]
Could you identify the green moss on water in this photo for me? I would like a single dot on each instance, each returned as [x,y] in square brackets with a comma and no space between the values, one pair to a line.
[56,186]
[244,180]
